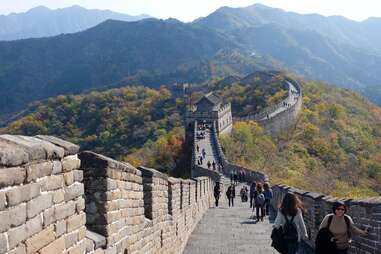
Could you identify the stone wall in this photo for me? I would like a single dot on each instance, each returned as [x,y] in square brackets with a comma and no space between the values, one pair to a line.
[140,210]
[55,201]
[284,119]
[365,214]
[41,196]
[227,167]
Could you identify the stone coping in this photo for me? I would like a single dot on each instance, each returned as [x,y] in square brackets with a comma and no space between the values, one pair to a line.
[16,150]
[329,199]
[98,164]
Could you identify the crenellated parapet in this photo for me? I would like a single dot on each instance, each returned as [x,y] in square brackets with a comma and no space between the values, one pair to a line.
[282,116]
[41,196]
[55,201]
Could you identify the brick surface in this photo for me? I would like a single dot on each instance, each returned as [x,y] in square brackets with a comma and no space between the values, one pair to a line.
[70,163]
[40,240]
[17,235]
[11,176]
[73,191]
[20,194]
[2,200]
[17,215]
[21,249]
[65,210]
[5,222]
[76,222]
[38,170]
[58,246]
[3,244]
[39,204]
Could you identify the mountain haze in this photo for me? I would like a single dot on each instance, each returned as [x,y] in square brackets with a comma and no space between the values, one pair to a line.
[42,21]
[152,52]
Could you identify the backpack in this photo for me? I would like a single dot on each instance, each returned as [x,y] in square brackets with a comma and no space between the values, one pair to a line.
[323,243]
[260,199]
[347,222]
[290,233]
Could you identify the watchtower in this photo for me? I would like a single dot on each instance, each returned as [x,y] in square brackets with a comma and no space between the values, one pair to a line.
[210,110]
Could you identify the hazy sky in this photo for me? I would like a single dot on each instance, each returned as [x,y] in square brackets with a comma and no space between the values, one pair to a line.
[192,9]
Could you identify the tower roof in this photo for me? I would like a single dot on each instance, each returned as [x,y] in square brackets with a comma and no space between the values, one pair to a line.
[212,98]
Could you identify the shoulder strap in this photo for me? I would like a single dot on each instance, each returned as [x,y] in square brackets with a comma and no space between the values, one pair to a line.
[329,221]
[348,223]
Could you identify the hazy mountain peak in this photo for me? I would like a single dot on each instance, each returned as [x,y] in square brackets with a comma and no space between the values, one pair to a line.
[41,21]
[40,8]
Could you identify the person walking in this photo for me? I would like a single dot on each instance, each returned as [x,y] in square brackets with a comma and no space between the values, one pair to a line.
[214,165]
[268,193]
[341,226]
[290,218]
[252,193]
[259,202]
[217,192]
[208,164]
[197,148]
[230,194]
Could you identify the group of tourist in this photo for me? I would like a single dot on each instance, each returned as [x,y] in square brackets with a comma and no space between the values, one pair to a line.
[237,175]
[260,198]
[334,232]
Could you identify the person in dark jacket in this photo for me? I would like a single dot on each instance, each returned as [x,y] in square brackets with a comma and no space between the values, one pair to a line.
[252,193]
[230,194]
[268,196]
[217,192]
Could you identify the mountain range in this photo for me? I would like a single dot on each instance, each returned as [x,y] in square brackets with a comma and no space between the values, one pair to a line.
[42,21]
[153,52]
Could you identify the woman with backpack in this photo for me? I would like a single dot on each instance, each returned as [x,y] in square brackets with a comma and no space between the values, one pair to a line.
[259,201]
[290,218]
[268,196]
[340,227]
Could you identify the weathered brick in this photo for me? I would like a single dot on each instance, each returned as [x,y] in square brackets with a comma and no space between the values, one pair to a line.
[11,176]
[3,200]
[17,215]
[20,194]
[80,248]
[40,240]
[76,222]
[80,205]
[60,228]
[82,233]
[57,167]
[78,175]
[69,178]
[16,236]
[39,204]
[70,163]
[49,216]
[38,170]
[34,226]
[71,239]
[53,182]
[65,210]
[58,196]
[5,222]
[58,246]
[21,249]
[73,191]
[3,244]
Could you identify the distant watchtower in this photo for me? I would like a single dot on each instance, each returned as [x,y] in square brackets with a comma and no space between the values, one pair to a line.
[210,109]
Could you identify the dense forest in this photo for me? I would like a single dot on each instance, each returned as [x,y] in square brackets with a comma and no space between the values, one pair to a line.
[336,143]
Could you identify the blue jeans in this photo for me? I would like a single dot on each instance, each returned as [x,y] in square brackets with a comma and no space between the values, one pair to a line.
[292,247]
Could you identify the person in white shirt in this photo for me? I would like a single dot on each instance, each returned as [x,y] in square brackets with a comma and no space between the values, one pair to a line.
[290,218]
